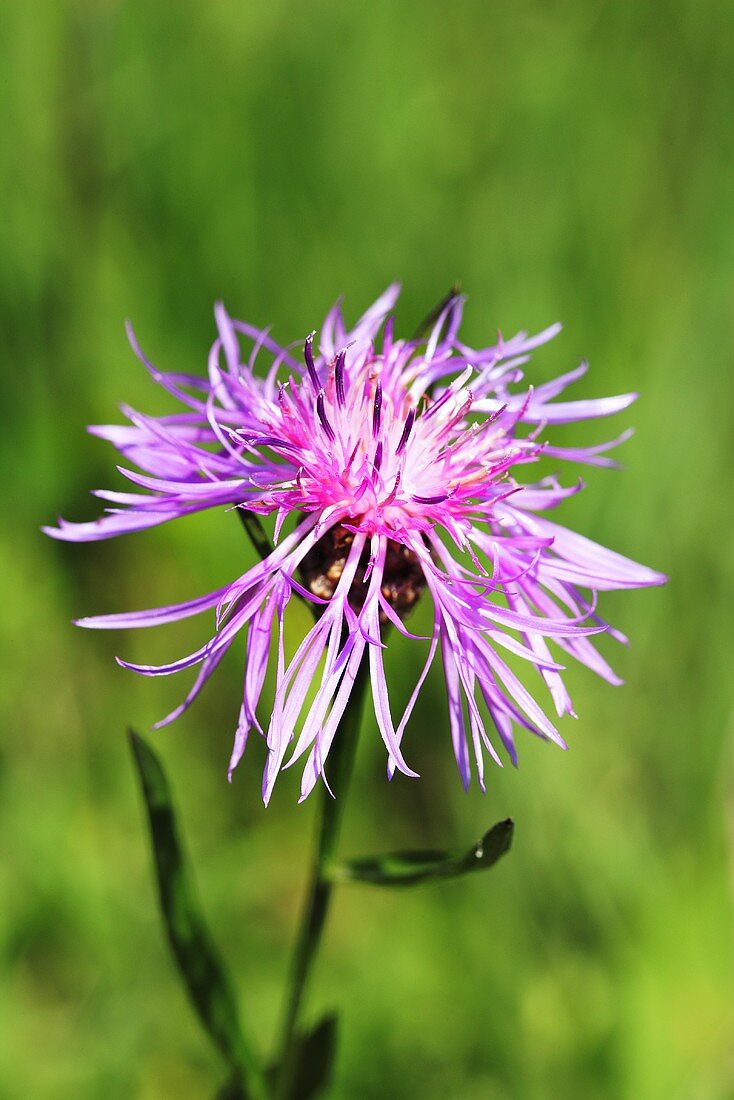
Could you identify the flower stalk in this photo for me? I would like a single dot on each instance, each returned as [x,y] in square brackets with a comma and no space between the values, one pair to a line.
[318,898]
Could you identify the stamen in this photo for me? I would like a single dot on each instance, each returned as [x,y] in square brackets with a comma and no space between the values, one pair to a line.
[310,365]
[352,457]
[407,429]
[339,377]
[377,409]
[321,410]
[283,401]
[496,414]
[254,439]
[393,492]
[450,391]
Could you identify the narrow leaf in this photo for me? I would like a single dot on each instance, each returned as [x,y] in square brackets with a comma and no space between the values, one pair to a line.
[409,868]
[203,973]
[310,1063]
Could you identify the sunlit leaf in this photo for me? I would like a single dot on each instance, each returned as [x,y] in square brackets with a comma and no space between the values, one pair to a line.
[410,868]
[201,968]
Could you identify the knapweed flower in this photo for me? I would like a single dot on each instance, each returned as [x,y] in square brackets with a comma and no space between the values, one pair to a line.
[395,470]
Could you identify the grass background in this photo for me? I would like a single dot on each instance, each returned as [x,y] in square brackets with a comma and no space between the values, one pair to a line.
[566,160]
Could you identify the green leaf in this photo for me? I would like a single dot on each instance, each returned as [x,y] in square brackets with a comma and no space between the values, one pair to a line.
[201,968]
[409,868]
[310,1063]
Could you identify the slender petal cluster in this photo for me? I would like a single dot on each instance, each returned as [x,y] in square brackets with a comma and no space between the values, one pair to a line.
[394,470]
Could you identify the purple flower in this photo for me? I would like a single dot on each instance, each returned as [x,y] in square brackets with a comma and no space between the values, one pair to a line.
[393,469]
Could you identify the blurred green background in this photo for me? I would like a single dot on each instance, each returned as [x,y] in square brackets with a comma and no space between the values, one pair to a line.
[566,160]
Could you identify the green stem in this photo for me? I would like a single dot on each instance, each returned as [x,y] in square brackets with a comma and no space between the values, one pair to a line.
[341,761]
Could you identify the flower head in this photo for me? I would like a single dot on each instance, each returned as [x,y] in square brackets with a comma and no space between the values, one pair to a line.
[394,472]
